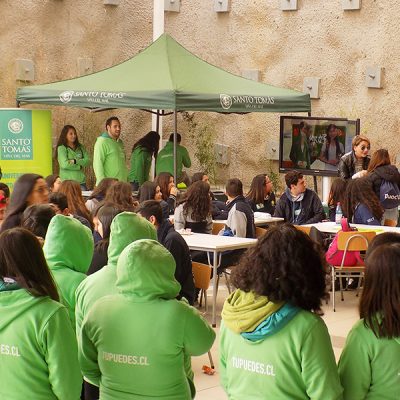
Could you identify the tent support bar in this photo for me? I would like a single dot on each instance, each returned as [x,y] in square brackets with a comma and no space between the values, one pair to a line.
[96,110]
[175,137]
[158,112]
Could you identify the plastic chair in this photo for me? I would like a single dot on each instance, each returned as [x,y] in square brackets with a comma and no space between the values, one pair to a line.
[260,232]
[201,277]
[390,222]
[217,226]
[305,229]
[350,241]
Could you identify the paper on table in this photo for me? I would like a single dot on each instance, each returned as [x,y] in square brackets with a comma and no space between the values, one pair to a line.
[262,215]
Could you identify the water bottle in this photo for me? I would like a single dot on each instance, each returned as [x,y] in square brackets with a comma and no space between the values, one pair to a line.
[338,214]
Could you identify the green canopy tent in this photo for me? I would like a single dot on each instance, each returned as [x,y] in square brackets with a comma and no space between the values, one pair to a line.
[166,76]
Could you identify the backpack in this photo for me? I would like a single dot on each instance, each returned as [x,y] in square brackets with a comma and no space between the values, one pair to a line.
[334,256]
[389,194]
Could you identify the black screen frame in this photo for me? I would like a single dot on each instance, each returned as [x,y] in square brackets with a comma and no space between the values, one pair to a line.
[306,171]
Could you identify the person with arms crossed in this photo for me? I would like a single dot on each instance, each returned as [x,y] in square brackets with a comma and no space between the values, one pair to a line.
[72,156]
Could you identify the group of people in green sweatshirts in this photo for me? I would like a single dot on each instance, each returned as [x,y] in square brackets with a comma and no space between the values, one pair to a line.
[122,329]
[109,156]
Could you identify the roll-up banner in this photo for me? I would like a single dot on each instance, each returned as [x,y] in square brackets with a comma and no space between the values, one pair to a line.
[25,143]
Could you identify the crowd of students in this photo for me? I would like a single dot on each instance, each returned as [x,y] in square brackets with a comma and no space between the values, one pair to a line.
[271,332]
[101,291]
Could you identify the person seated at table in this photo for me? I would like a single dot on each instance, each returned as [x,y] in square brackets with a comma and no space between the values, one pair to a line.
[240,215]
[354,164]
[369,364]
[260,196]
[136,343]
[273,343]
[218,207]
[336,195]
[240,222]
[195,210]
[151,191]
[361,205]
[298,204]
[99,193]
[174,242]
[169,192]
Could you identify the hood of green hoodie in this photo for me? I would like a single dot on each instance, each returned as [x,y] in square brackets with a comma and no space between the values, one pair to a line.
[146,270]
[126,228]
[244,311]
[68,244]
[107,136]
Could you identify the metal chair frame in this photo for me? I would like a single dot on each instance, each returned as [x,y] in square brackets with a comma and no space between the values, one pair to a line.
[347,242]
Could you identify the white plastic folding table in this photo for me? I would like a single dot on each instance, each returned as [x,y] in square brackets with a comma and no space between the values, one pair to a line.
[216,244]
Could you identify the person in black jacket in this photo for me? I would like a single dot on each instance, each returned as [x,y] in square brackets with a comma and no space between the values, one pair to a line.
[355,163]
[380,169]
[174,242]
[102,219]
[299,205]
[260,196]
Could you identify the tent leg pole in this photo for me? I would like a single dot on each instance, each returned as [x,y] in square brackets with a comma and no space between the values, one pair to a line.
[156,125]
[175,137]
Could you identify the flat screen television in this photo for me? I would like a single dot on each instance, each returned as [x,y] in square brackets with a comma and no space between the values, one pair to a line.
[314,145]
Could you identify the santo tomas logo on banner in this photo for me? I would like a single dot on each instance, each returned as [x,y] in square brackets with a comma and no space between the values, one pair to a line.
[16,135]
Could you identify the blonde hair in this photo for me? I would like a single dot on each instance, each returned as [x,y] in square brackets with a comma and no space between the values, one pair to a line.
[358,139]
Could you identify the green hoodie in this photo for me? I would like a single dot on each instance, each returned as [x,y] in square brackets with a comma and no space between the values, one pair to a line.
[140,165]
[369,367]
[287,356]
[68,249]
[109,159]
[125,229]
[134,343]
[72,171]
[38,351]
[165,159]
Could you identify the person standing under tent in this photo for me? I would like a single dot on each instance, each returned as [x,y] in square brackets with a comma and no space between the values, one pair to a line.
[72,156]
[142,152]
[109,153]
[165,159]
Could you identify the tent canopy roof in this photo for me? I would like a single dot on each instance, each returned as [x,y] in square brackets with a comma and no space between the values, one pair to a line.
[166,76]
